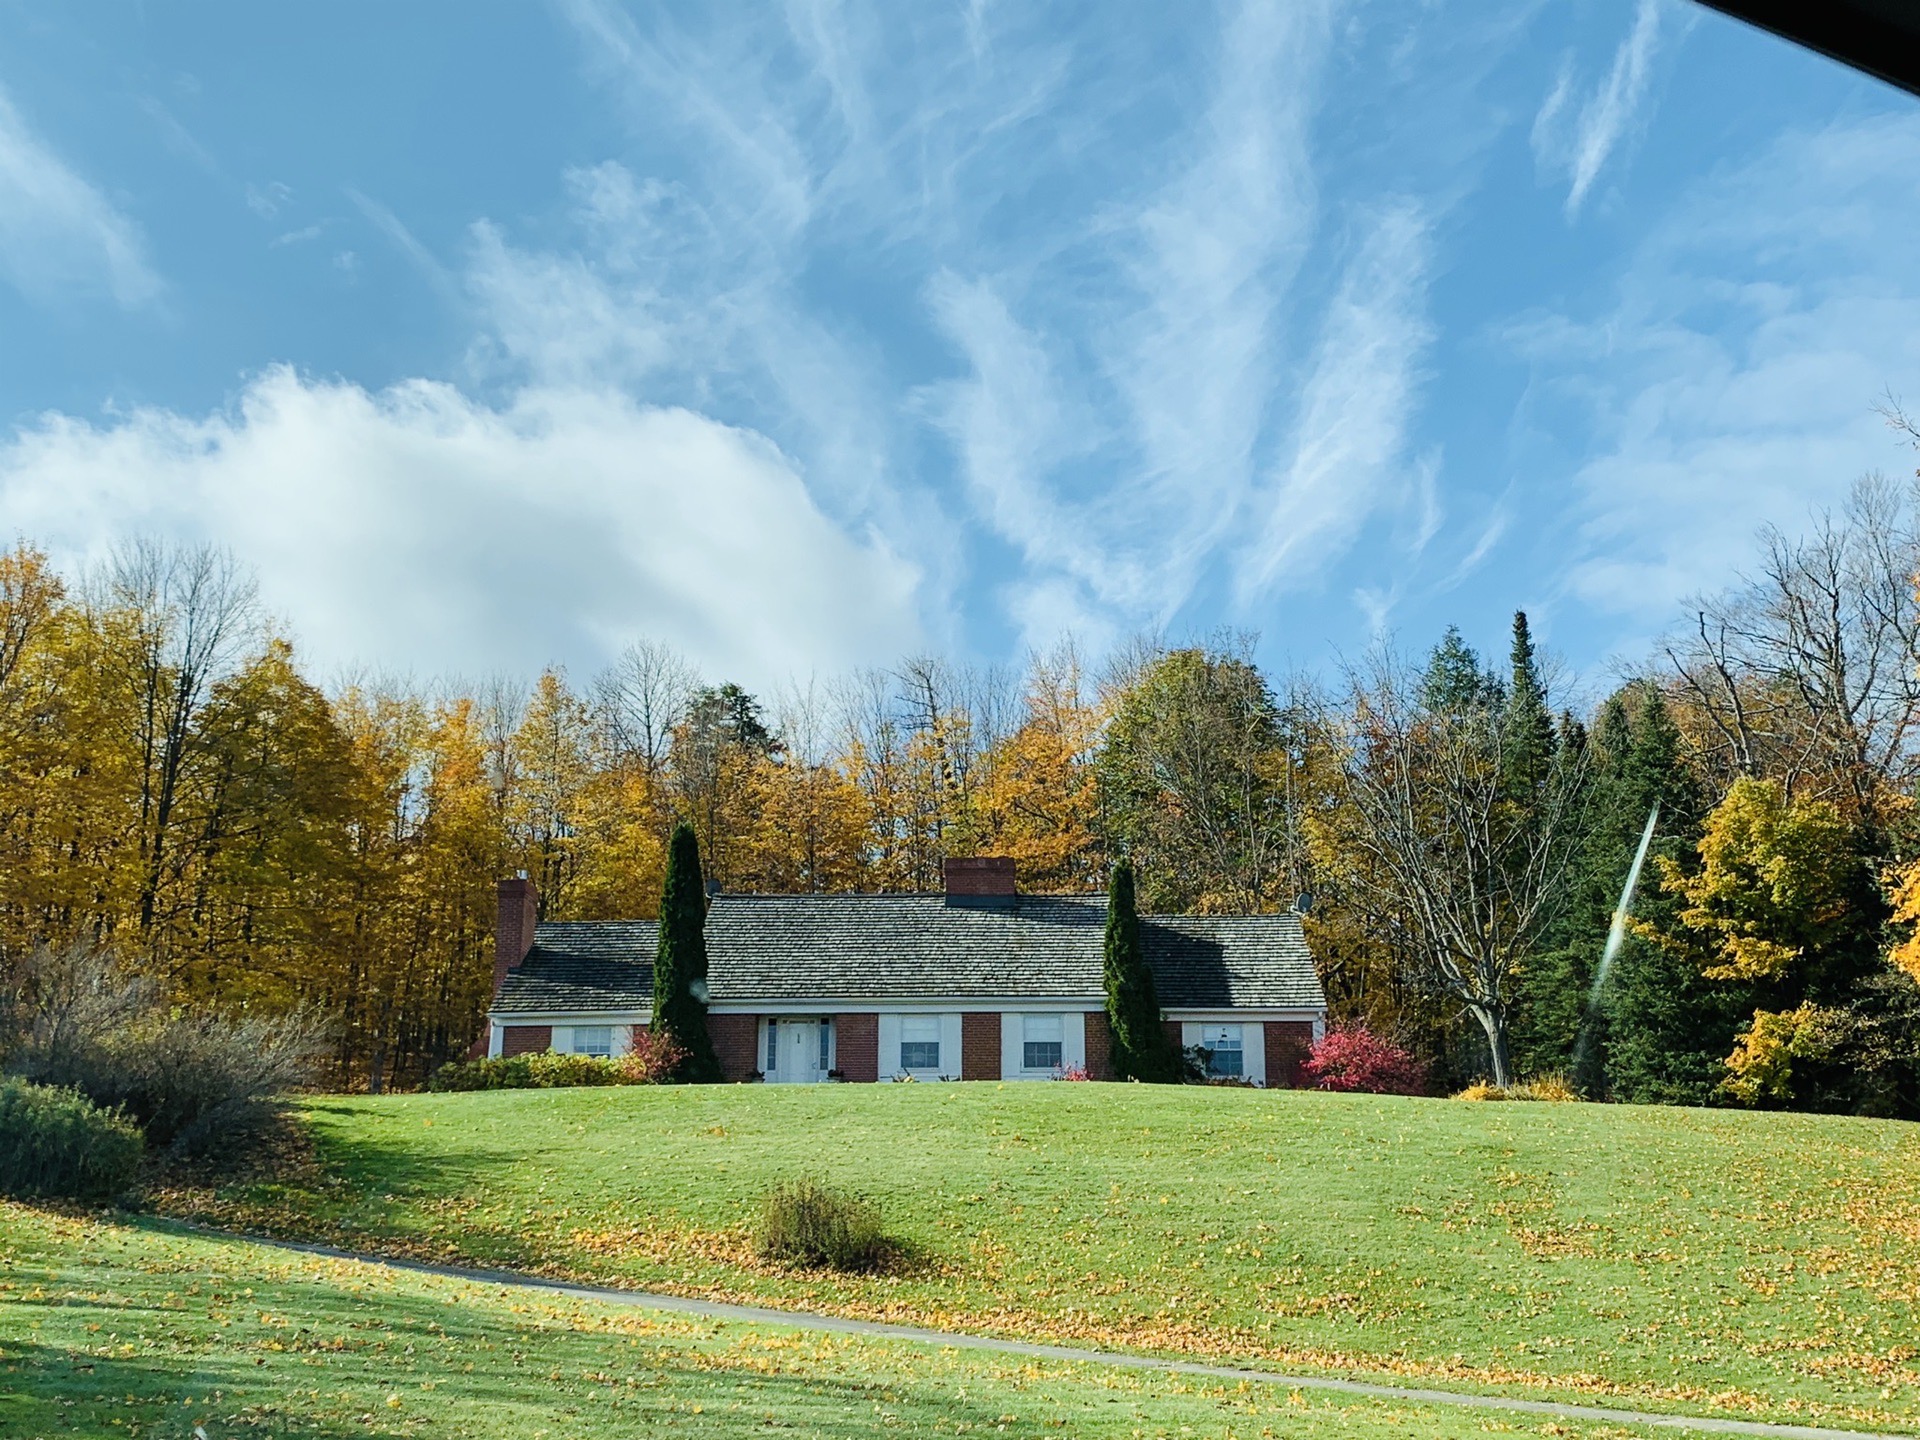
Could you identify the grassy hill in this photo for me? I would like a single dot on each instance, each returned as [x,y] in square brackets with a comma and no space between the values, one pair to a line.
[114,1330]
[1763,1265]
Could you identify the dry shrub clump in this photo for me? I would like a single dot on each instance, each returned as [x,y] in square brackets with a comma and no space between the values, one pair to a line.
[1553,1089]
[802,1223]
[197,1082]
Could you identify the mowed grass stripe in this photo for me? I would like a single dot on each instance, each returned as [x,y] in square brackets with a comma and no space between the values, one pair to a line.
[948,1339]
[1762,1267]
[122,1330]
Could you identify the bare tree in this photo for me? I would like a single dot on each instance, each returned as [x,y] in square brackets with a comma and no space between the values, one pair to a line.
[192,614]
[502,706]
[1809,671]
[874,737]
[642,698]
[1437,837]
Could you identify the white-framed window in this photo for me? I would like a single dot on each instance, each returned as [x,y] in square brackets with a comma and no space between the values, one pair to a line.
[1226,1056]
[919,1042]
[591,1040]
[773,1047]
[1042,1042]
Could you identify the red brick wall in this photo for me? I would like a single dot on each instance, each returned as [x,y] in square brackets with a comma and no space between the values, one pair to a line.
[856,1047]
[1288,1043]
[516,907]
[980,875]
[980,1045]
[736,1040]
[1175,1034]
[525,1039]
[1099,1046]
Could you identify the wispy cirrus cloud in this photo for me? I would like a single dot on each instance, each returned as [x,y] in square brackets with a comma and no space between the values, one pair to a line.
[59,234]
[1730,381]
[1355,412]
[1573,136]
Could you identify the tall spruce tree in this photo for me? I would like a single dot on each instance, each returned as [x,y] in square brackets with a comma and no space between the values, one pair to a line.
[1453,682]
[679,1009]
[1669,1029]
[1555,1011]
[1527,740]
[1140,1049]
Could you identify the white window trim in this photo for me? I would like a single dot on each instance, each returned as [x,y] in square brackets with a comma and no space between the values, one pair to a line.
[1013,1042]
[950,1057]
[567,1039]
[1253,1042]
[562,1023]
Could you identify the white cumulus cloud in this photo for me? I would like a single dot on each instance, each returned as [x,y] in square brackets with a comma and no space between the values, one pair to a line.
[418,529]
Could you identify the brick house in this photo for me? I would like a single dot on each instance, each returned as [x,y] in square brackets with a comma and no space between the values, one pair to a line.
[977,983]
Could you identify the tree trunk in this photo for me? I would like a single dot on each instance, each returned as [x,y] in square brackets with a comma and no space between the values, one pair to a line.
[1494,1022]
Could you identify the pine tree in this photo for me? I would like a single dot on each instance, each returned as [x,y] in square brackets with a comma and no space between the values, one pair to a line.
[1669,1029]
[679,1008]
[1528,740]
[1453,682]
[1556,990]
[1140,1048]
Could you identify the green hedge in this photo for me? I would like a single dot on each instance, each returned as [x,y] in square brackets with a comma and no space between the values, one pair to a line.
[59,1144]
[543,1071]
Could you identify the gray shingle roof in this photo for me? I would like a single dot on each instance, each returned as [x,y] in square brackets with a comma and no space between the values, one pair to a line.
[802,947]
[893,947]
[584,965]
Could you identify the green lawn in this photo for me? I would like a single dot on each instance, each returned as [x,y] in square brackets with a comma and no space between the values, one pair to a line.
[1764,1265]
[114,1330]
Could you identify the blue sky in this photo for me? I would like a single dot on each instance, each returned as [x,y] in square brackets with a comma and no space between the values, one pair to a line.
[805,336]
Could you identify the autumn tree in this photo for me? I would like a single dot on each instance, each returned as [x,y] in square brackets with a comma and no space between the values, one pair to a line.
[1809,672]
[554,767]
[1781,899]
[1037,800]
[1440,842]
[715,752]
[1192,781]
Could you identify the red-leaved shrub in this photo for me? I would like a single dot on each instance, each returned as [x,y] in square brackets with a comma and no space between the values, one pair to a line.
[654,1059]
[1352,1057]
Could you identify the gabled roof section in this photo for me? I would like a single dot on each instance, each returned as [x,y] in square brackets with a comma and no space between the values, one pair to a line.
[896,947]
[861,949]
[583,965]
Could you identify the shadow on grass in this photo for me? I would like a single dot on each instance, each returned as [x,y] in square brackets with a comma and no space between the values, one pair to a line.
[47,1391]
[336,1363]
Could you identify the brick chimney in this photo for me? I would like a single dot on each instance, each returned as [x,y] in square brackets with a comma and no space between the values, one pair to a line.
[980,877]
[513,926]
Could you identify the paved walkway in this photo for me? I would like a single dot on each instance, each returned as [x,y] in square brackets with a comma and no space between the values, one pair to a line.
[959,1340]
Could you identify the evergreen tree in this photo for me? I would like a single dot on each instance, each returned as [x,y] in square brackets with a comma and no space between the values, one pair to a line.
[1528,737]
[1669,1029]
[1556,991]
[1140,1047]
[1453,682]
[680,965]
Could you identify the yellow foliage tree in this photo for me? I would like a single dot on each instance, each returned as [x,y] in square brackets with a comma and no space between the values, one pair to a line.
[1778,879]
[1760,1070]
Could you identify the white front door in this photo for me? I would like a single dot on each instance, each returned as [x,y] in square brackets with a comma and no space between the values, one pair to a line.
[799,1051]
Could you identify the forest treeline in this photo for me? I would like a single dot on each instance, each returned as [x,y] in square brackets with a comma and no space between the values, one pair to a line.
[175,785]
